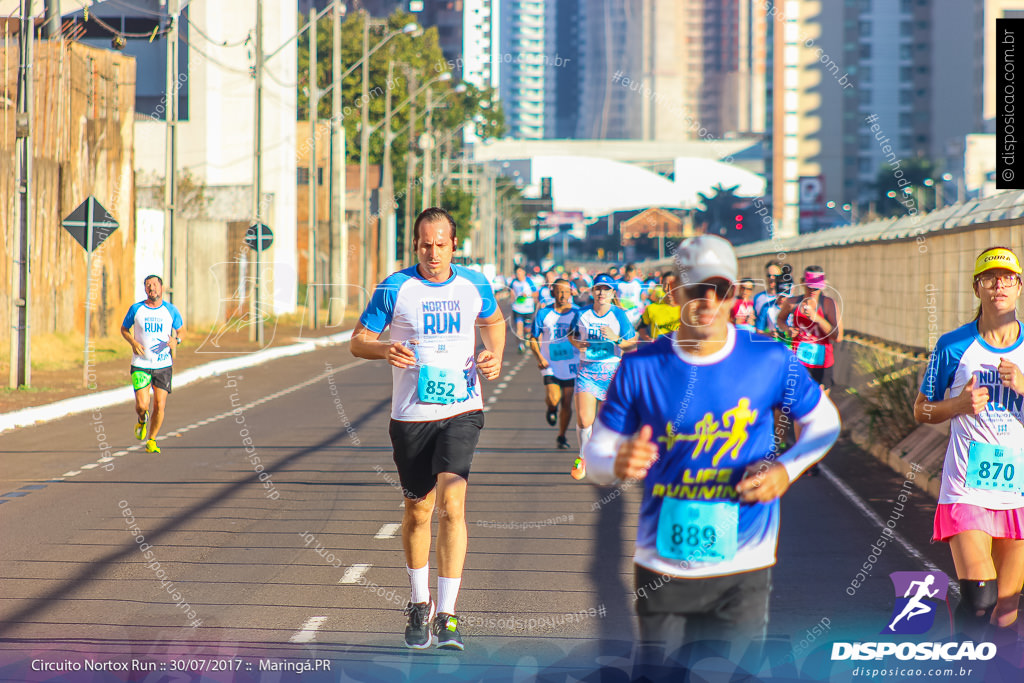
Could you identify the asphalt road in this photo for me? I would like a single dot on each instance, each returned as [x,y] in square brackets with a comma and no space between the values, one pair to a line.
[227,573]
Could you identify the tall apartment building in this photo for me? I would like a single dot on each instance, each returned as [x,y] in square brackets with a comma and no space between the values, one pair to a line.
[609,33]
[651,69]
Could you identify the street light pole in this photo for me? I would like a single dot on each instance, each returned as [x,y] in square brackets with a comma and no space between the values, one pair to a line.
[364,150]
[171,153]
[428,146]
[256,330]
[339,227]
[386,238]
[311,236]
[410,171]
[21,249]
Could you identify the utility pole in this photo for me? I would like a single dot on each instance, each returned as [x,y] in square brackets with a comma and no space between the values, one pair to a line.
[386,241]
[428,148]
[51,24]
[256,331]
[410,171]
[314,101]
[339,228]
[21,273]
[364,151]
[171,149]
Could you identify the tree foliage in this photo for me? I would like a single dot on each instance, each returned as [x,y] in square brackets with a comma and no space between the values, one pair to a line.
[416,56]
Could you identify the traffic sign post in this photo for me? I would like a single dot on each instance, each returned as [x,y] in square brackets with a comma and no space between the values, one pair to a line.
[90,224]
[258,237]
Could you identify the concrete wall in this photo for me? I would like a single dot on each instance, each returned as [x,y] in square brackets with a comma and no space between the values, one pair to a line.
[82,139]
[908,292]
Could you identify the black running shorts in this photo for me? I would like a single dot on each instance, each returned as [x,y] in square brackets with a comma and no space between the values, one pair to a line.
[159,378]
[673,611]
[822,376]
[422,450]
[564,383]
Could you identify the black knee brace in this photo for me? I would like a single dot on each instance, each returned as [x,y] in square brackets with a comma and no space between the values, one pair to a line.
[975,596]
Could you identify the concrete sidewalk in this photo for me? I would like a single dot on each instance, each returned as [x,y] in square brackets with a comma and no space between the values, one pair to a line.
[102,399]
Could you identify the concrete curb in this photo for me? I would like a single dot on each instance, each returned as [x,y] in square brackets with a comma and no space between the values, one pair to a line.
[81,404]
[925,446]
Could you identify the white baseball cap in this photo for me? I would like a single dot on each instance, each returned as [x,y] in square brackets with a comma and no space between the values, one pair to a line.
[704,257]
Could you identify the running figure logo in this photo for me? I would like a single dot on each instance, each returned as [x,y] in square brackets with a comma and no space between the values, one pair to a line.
[917,594]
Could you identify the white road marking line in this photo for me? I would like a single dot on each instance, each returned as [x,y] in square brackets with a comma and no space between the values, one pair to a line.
[492,399]
[388,530]
[119,454]
[859,503]
[503,385]
[104,460]
[308,630]
[72,473]
[90,466]
[354,573]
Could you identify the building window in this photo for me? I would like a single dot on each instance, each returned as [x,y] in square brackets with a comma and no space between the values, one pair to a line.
[302,175]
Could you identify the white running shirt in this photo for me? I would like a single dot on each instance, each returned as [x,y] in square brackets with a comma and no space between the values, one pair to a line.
[153,328]
[437,321]
[959,355]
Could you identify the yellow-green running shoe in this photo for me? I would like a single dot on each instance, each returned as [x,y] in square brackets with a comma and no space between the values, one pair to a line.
[151,446]
[140,428]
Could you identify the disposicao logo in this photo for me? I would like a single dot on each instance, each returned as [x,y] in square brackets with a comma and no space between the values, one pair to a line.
[918,594]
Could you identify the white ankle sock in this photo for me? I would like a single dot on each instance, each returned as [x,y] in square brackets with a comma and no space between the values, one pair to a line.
[584,435]
[419,579]
[447,594]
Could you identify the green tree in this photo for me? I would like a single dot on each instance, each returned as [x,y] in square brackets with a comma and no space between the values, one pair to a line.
[458,203]
[419,53]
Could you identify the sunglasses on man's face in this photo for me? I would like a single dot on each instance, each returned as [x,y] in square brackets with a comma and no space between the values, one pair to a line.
[702,290]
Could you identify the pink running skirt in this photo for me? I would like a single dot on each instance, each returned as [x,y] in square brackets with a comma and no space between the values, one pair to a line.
[952,518]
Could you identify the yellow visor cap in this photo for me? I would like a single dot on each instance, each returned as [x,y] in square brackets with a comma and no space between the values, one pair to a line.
[996,258]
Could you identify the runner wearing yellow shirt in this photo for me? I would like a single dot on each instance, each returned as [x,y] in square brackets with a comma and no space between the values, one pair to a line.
[662,315]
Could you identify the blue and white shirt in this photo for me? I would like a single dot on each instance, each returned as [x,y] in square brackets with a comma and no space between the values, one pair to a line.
[712,417]
[630,296]
[588,326]
[957,357]
[762,299]
[551,330]
[546,298]
[153,328]
[437,320]
[522,296]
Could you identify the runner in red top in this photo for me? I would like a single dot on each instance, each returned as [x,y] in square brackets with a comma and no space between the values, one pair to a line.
[742,314]
[816,326]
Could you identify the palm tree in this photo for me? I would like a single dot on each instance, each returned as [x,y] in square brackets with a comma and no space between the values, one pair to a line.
[717,209]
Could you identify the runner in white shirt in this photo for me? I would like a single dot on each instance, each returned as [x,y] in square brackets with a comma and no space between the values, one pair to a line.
[152,327]
[601,332]
[630,289]
[557,358]
[980,512]
[524,303]
[433,310]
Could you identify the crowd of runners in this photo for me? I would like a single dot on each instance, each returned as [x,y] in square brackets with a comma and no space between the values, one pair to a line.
[708,388]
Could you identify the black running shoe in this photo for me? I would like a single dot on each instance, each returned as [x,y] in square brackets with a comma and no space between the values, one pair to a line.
[563,443]
[446,632]
[552,416]
[417,631]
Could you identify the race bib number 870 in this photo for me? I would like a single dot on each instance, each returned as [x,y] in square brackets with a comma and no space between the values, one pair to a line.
[995,467]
